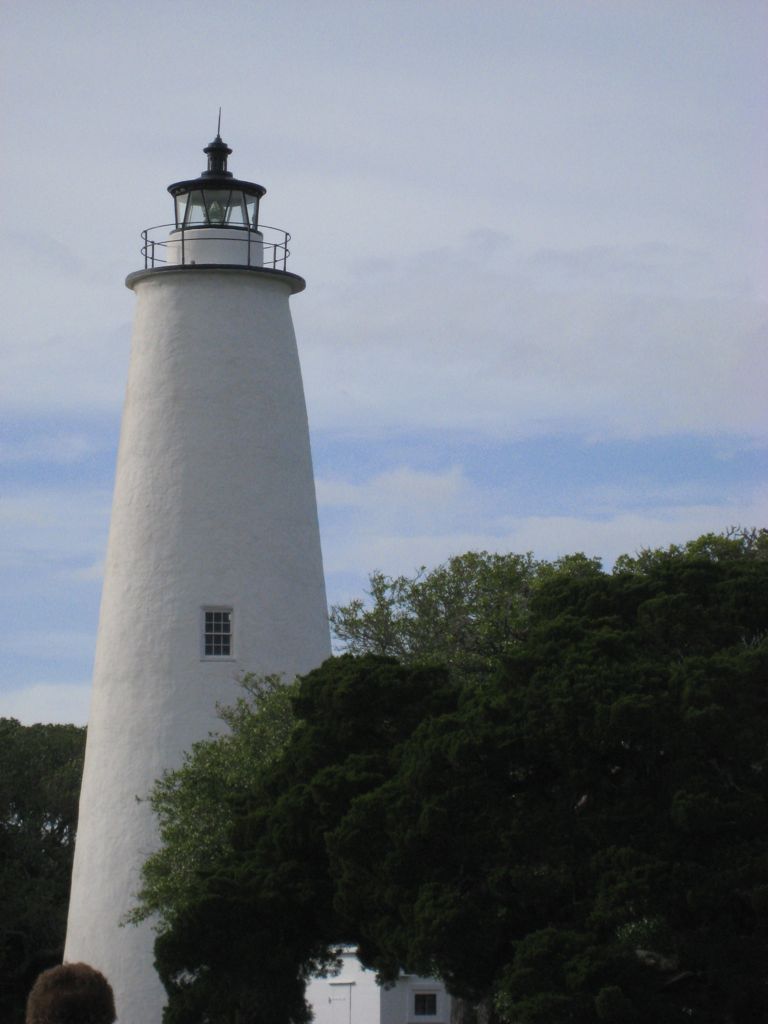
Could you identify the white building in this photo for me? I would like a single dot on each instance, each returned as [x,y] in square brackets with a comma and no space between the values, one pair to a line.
[213,564]
[353,997]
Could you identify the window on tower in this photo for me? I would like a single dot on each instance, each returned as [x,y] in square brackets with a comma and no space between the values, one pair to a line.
[217,632]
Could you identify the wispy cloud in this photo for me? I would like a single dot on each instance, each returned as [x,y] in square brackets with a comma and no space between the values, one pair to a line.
[60,644]
[405,519]
[62,449]
[81,371]
[519,223]
[47,702]
[628,343]
[63,529]
[89,573]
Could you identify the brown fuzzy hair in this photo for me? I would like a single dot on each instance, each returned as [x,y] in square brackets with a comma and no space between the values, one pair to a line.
[71,994]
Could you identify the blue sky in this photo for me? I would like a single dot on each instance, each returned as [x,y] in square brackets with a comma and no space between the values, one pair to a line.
[534,236]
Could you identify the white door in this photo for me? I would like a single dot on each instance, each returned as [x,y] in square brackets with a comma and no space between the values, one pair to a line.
[340,1001]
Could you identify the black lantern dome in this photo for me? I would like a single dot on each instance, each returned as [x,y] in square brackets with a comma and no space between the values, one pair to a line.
[216,199]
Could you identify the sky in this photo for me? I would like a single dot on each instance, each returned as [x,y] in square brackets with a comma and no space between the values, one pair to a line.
[534,239]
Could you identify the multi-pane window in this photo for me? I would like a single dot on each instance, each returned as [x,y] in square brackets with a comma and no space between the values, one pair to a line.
[217,633]
[425,1004]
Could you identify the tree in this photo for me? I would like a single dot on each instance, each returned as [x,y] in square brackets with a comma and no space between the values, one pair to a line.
[580,838]
[248,918]
[473,610]
[40,770]
[194,803]
[736,544]
[584,837]
[466,614]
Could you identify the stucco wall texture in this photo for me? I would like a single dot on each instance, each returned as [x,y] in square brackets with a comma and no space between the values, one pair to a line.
[214,506]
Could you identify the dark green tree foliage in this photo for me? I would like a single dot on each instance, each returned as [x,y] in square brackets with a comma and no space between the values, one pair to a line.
[466,614]
[194,804]
[190,883]
[588,830]
[240,937]
[40,770]
[576,836]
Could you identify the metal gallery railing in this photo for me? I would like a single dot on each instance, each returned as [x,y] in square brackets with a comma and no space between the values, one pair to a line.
[167,245]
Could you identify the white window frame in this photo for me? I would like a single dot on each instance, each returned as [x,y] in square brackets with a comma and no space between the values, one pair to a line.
[210,609]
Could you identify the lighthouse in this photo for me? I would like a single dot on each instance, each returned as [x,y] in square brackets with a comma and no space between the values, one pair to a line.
[213,563]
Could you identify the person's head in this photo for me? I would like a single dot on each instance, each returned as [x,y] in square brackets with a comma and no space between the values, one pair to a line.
[71,994]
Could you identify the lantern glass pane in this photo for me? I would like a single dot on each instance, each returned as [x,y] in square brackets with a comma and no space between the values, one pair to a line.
[195,212]
[217,201]
[181,205]
[236,214]
[252,206]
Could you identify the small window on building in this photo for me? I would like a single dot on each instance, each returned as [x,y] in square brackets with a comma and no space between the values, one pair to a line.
[217,633]
[425,1004]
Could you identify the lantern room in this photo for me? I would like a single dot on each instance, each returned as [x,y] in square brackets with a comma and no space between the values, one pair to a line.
[216,199]
[216,222]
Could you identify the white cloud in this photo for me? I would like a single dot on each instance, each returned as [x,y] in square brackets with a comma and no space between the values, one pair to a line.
[633,342]
[61,529]
[405,519]
[47,702]
[79,371]
[515,220]
[412,492]
[57,644]
[58,449]
[89,573]
[627,533]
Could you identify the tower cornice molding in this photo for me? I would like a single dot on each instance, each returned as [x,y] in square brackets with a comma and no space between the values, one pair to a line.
[294,281]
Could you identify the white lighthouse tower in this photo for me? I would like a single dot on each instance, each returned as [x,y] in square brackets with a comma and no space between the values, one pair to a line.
[213,564]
